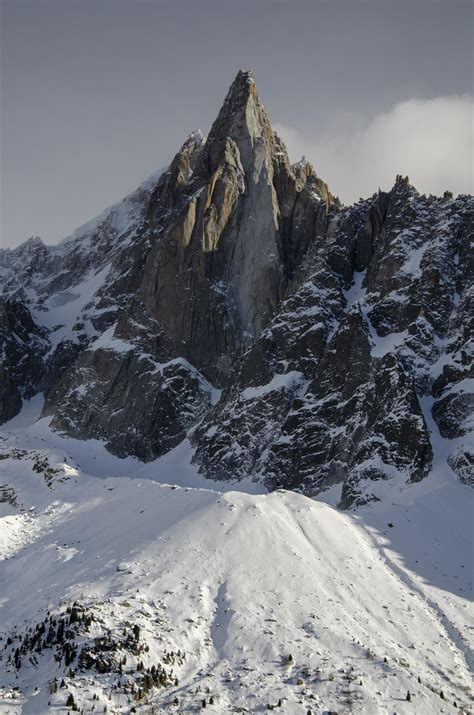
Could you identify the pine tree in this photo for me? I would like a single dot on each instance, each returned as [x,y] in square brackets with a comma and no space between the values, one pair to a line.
[70,701]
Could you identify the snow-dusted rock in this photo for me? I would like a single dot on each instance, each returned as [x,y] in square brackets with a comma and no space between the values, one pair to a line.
[233,270]
[23,346]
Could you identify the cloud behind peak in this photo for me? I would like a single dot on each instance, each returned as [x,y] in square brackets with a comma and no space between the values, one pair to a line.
[430,140]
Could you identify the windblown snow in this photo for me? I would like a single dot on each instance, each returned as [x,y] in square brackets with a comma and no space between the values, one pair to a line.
[246,602]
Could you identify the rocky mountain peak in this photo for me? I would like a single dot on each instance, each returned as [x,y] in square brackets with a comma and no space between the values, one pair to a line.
[242,88]
[32,245]
[242,120]
[302,169]
[331,330]
[242,91]
[177,177]
[231,209]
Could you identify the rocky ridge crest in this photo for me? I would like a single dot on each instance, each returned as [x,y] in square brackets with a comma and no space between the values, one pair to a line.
[233,298]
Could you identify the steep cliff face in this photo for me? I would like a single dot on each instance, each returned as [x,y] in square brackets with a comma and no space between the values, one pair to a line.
[225,229]
[337,335]
[339,387]
[226,234]
[22,350]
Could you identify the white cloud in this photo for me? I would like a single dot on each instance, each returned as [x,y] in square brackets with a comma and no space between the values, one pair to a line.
[430,140]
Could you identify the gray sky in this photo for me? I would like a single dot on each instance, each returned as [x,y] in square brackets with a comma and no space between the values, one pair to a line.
[98,94]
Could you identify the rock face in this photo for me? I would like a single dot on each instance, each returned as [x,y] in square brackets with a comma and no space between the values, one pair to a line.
[225,228]
[134,403]
[22,349]
[230,222]
[341,337]
[377,327]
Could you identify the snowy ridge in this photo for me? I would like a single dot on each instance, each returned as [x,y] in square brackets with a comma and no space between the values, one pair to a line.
[253,601]
[50,277]
[120,215]
[191,386]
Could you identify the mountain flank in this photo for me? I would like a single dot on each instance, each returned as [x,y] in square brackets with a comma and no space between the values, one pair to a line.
[234,301]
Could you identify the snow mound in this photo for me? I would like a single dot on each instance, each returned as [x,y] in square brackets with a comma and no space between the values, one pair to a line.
[149,595]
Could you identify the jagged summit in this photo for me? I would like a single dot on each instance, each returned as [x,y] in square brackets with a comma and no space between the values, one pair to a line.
[241,121]
[228,209]
[327,328]
[240,91]
[244,82]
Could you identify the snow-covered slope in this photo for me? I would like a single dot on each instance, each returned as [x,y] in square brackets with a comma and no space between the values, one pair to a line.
[56,293]
[172,596]
[227,330]
[59,282]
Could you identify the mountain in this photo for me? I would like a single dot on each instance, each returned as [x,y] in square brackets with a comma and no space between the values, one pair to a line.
[133,596]
[304,343]
[236,451]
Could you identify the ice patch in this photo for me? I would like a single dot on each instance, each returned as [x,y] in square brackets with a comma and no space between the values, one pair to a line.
[64,308]
[387,344]
[289,380]
[108,341]
[355,294]
[413,261]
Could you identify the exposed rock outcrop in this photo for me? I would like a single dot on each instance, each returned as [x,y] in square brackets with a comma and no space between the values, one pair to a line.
[230,223]
[364,356]
[227,226]
[331,330]
[23,345]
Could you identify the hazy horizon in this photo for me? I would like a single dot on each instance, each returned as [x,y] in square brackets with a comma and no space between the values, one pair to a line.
[95,96]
